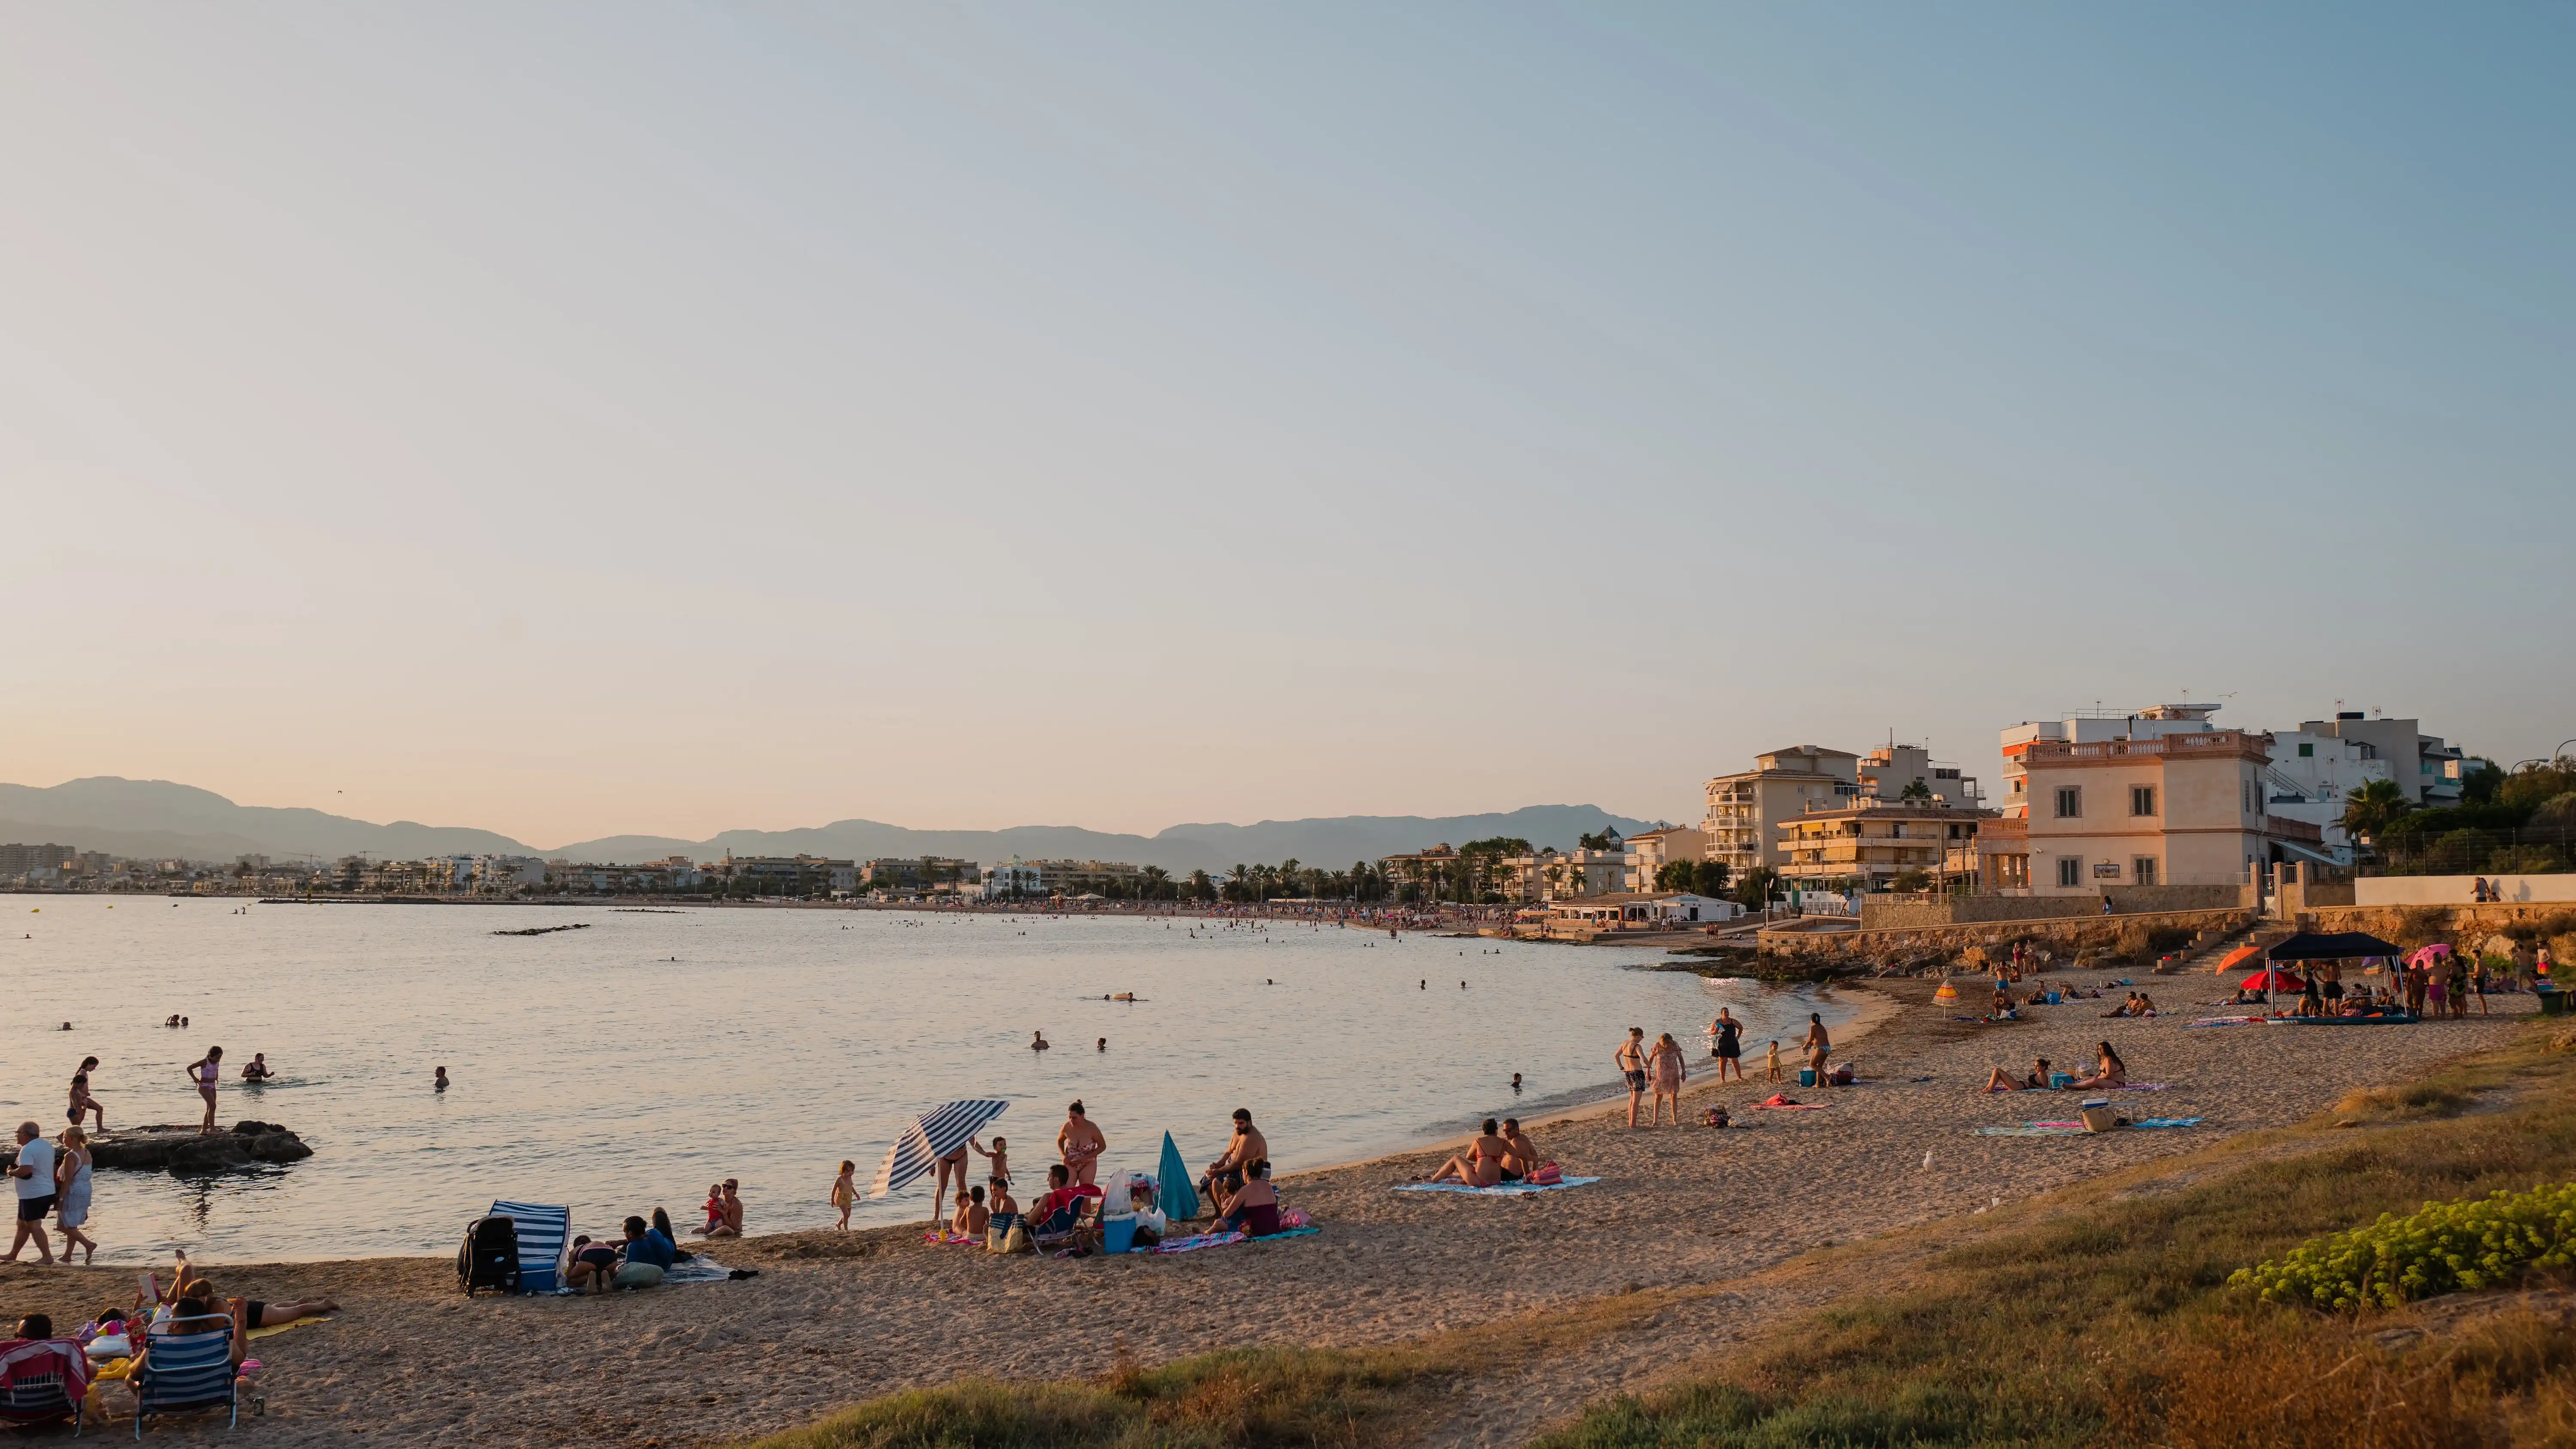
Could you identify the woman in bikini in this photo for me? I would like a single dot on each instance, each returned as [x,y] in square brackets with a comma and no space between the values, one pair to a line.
[206,1071]
[2114,1072]
[1483,1164]
[1664,1064]
[83,1104]
[1819,1045]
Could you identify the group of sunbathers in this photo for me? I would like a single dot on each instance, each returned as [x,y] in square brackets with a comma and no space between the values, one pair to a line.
[2138,1004]
[1496,1156]
[648,1252]
[2109,1072]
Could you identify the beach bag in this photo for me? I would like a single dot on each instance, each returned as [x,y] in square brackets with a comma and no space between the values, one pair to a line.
[1547,1176]
[1018,1239]
[490,1257]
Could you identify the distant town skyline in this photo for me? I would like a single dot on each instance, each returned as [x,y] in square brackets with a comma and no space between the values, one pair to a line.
[675,421]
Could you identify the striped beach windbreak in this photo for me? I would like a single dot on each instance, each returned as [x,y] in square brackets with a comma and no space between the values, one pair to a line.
[542,1230]
[931,1136]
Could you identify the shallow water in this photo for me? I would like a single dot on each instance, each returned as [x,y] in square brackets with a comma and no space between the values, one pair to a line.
[630,1064]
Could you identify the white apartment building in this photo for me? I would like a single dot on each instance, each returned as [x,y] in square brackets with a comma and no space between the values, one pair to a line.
[1745,810]
[1019,879]
[2312,776]
[1887,772]
[1649,851]
[2427,769]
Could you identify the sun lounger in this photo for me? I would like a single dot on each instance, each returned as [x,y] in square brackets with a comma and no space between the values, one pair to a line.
[542,1233]
[42,1380]
[181,1372]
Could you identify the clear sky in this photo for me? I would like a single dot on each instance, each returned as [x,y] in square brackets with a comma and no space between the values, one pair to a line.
[579,418]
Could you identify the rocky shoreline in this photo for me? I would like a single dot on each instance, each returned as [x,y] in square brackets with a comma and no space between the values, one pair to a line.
[184,1151]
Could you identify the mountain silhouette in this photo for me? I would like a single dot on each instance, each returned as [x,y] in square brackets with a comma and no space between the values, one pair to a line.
[159,818]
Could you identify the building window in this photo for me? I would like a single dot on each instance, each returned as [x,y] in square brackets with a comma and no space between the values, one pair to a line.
[2070,802]
[2145,868]
[2142,799]
[2307,752]
[2070,871]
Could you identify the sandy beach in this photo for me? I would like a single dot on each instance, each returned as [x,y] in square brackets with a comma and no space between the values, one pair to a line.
[836,1317]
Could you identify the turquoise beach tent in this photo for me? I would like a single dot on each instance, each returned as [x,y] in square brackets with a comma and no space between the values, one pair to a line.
[1172,1191]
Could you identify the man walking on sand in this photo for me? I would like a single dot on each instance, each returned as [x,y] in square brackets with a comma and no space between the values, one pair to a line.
[1080,1144]
[35,1175]
[1631,1061]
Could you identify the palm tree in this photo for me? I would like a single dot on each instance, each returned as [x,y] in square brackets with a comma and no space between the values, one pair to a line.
[2373,808]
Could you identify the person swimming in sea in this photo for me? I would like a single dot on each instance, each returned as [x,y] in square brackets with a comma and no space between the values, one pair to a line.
[1038,1041]
[257,1068]
[441,1083]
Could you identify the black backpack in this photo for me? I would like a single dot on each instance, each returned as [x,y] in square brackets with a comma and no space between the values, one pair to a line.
[490,1257]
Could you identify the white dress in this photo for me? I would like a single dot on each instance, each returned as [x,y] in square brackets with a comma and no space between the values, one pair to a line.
[74,1208]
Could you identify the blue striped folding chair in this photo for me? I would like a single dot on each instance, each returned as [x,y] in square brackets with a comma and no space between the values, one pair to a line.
[542,1231]
[185,1371]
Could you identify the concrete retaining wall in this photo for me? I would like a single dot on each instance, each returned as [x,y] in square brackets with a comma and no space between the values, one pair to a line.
[2095,932]
[2454,890]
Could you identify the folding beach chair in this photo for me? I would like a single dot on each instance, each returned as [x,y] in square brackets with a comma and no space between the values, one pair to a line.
[186,1371]
[41,1380]
[542,1233]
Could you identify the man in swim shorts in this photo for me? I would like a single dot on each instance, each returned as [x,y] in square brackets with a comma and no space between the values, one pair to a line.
[1631,1062]
[1523,1158]
[1247,1147]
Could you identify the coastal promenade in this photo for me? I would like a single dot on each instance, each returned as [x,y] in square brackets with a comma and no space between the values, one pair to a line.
[1687,1243]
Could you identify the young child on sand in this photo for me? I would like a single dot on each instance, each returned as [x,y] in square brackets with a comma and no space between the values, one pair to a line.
[1000,1156]
[972,1216]
[1773,1070]
[1002,1200]
[845,1192]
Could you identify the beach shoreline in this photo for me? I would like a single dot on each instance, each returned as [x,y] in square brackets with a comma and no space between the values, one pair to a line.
[1684,1210]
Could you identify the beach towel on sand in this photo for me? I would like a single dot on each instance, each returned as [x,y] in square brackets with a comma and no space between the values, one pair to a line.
[946,1239]
[1197,1241]
[700,1269]
[1783,1102]
[2077,1129]
[1500,1189]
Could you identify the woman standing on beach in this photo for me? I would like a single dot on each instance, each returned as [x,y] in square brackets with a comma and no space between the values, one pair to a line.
[1819,1045]
[1730,1045]
[1664,1064]
[206,1071]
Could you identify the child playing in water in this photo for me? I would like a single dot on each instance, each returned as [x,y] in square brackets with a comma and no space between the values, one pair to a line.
[845,1192]
[1773,1073]
[715,1209]
[1000,1156]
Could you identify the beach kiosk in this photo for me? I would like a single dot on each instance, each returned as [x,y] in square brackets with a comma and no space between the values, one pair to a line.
[2308,946]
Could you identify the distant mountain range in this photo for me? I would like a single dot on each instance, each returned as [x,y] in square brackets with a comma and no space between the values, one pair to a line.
[157,818]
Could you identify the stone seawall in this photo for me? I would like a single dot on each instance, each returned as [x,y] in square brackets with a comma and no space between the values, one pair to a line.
[2124,934]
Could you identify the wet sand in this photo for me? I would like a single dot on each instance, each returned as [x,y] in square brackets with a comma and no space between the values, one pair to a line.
[835,1317]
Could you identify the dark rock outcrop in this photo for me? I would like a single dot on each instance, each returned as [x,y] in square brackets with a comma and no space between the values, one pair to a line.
[183,1150]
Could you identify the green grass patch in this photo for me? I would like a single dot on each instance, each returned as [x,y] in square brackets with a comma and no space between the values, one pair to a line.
[2113,1321]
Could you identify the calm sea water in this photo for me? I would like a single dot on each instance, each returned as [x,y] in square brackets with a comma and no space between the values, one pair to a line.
[630,1064]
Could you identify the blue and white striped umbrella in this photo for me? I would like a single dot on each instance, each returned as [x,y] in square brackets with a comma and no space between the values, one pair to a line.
[933,1135]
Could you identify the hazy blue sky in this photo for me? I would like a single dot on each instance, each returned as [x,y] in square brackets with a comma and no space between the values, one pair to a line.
[573,418]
